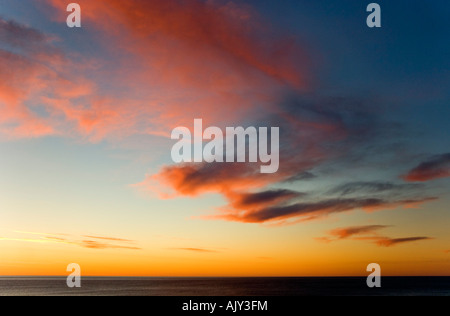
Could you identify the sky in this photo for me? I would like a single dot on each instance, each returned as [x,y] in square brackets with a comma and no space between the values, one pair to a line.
[86,174]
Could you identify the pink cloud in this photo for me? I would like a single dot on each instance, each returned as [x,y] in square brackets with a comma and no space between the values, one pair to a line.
[434,168]
[368,233]
[214,60]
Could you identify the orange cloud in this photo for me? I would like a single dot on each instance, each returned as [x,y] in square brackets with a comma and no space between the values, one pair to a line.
[305,211]
[313,131]
[206,33]
[15,88]
[261,199]
[194,249]
[93,244]
[33,70]
[109,238]
[352,233]
[251,200]
[355,233]
[214,60]
[90,242]
[305,132]
[346,232]
[388,242]
[195,179]
[434,168]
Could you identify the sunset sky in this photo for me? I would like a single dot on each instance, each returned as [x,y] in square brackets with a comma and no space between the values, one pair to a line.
[86,115]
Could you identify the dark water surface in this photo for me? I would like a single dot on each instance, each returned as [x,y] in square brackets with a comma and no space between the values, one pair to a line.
[302,286]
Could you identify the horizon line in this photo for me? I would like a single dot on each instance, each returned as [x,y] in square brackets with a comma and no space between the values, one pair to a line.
[217,277]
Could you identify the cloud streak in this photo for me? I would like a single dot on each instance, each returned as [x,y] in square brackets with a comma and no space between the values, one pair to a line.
[306,211]
[433,168]
[90,242]
[368,233]
[342,233]
[200,250]
[388,242]
[315,131]
[250,202]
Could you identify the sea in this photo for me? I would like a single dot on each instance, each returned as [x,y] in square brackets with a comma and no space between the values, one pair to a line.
[254,287]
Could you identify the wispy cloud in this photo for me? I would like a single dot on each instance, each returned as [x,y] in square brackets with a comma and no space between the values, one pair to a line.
[368,233]
[109,238]
[388,242]
[249,202]
[193,55]
[313,134]
[88,242]
[374,187]
[433,168]
[305,211]
[195,249]
[93,244]
[342,233]
[33,69]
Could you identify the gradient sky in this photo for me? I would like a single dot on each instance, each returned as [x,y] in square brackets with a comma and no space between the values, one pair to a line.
[86,115]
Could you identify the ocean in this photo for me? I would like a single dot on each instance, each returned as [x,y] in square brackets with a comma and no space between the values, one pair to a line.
[295,286]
